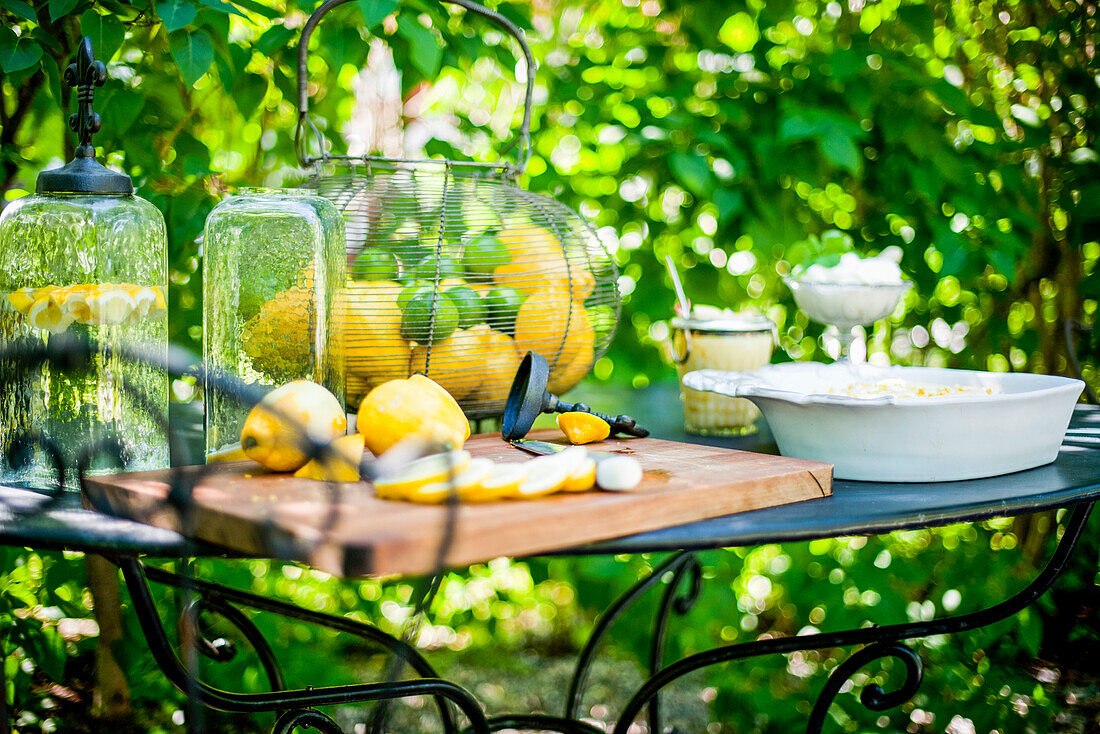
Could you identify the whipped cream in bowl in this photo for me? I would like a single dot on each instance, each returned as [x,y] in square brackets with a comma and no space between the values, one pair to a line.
[855,291]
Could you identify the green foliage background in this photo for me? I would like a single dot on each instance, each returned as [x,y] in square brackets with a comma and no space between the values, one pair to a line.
[721,134]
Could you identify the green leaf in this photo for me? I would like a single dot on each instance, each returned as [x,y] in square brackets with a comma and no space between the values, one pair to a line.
[258,9]
[248,93]
[799,127]
[693,171]
[277,36]
[193,54]
[106,32]
[729,203]
[53,78]
[176,14]
[222,7]
[919,18]
[20,8]
[17,53]
[841,151]
[375,11]
[426,54]
[125,105]
[61,8]
[1004,261]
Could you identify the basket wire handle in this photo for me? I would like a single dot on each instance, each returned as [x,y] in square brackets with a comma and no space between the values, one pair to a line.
[304,120]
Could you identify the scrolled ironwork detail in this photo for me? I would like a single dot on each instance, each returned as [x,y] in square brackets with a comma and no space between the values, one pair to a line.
[222,650]
[306,719]
[873,696]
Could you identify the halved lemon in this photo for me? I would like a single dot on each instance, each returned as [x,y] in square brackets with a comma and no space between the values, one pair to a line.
[548,474]
[583,479]
[504,481]
[434,468]
[467,481]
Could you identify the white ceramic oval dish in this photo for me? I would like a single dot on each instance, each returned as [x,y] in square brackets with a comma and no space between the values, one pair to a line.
[906,439]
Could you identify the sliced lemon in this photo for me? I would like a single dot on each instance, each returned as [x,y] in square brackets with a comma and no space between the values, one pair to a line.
[22,300]
[342,465]
[504,481]
[548,474]
[434,468]
[144,300]
[110,307]
[45,314]
[76,303]
[583,479]
[463,483]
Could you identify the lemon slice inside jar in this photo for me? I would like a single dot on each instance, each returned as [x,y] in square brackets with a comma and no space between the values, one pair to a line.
[110,306]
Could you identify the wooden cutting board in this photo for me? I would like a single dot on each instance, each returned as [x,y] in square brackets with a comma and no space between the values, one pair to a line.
[243,508]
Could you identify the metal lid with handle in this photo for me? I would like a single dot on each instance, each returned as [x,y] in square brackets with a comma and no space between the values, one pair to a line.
[529,397]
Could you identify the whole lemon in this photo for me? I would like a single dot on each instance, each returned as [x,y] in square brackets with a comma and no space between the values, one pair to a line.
[501,360]
[417,406]
[275,431]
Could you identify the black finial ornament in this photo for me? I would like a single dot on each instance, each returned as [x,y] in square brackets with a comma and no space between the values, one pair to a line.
[86,73]
[83,174]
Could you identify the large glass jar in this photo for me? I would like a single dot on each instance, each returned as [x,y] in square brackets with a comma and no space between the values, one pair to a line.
[274,272]
[90,265]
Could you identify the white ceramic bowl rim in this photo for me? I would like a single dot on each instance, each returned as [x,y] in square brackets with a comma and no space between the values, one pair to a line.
[794,283]
[774,381]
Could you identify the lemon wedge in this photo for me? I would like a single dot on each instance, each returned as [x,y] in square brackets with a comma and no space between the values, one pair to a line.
[45,314]
[430,469]
[463,483]
[584,478]
[22,300]
[548,474]
[161,302]
[110,305]
[504,481]
[342,465]
[231,452]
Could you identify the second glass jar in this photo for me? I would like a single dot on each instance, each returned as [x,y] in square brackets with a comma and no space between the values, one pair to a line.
[273,287]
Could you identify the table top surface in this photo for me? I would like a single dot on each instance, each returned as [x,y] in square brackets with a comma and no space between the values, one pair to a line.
[854,508]
[862,508]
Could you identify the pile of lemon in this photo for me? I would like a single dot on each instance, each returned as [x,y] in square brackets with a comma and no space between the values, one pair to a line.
[55,308]
[396,412]
[499,295]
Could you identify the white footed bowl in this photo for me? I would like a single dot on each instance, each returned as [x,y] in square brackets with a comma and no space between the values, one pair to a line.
[906,439]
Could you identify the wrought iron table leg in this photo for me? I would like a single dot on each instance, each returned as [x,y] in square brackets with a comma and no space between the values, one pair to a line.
[864,636]
[297,704]
[681,605]
[580,673]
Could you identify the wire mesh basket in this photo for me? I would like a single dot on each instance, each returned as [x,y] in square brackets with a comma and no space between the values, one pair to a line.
[455,271]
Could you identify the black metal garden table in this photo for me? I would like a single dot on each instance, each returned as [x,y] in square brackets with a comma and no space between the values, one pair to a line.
[1073,482]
